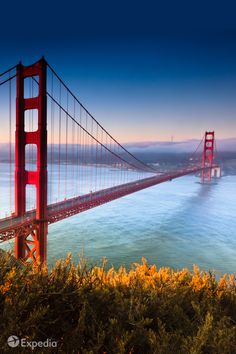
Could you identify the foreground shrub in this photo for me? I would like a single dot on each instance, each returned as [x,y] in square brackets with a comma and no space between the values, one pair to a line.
[94,310]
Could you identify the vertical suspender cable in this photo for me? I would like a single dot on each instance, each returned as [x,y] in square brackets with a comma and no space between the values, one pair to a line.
[73,152]
[111,165]
[51,145]
[101,161]
[66,172]
[77,155]
[83,165]
[106,167]
[59,147]
[10,144]
[86,151]
[91,158]
[81,152]
[96,177]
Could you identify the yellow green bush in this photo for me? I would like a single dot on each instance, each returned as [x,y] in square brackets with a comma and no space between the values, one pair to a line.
[98,310]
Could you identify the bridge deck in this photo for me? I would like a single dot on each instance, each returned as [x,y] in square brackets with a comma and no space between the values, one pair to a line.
[72,206]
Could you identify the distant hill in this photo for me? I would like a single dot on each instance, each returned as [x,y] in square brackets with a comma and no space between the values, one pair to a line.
[150,151]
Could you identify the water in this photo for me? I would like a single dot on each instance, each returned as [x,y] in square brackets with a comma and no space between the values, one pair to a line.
[176,224]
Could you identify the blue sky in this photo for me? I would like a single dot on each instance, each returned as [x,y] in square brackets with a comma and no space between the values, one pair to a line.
[145,72]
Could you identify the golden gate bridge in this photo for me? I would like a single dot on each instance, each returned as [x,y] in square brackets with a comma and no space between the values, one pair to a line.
[61,161]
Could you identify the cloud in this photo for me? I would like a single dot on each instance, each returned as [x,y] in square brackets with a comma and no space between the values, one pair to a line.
[178,147]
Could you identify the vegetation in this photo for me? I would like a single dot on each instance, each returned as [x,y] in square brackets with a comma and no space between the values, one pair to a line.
[94,310]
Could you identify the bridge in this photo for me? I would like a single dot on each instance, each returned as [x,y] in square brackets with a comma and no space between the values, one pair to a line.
[61,161]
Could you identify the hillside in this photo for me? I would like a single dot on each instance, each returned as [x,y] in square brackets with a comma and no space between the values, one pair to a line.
[98,310]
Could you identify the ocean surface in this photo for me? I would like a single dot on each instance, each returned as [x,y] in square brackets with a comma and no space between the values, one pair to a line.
[175,224]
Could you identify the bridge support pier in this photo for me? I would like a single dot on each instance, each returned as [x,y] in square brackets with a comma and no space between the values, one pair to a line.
[30,241]
[216,172]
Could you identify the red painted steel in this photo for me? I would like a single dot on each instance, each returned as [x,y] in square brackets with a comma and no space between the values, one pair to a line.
[30,240]
[207,156]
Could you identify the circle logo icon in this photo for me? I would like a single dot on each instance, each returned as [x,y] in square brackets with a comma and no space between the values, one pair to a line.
[13,341]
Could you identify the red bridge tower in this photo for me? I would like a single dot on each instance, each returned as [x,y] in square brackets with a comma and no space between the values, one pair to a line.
[207,156]
[30,241]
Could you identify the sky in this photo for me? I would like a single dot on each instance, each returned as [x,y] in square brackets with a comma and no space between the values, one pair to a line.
[147,72]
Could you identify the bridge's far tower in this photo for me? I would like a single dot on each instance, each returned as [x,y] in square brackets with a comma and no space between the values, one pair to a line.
[207,156]
[30,241]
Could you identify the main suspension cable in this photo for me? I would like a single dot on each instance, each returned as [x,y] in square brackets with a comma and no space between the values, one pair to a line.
[5,81]
[7,71]
[148,168]
[71,93]
[195,151]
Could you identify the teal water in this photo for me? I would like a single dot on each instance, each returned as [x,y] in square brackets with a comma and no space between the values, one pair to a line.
[176,224]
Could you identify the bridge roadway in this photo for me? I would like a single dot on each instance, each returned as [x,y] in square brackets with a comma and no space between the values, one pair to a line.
[72,206]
